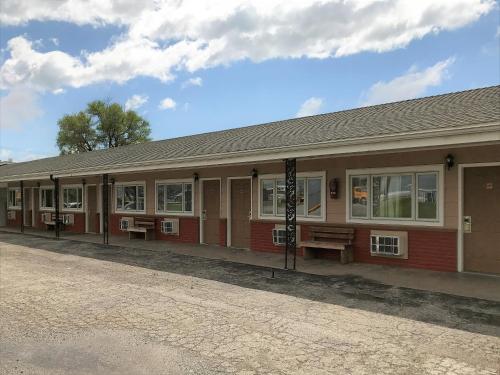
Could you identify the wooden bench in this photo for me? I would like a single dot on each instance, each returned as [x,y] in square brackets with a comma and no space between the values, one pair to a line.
[143,225]
[49,219]
[330,238]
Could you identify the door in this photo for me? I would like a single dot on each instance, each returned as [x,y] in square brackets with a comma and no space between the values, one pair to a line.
[27,207]
[110,205]
[240,213]
[91,209]
[482,219]
[211,212]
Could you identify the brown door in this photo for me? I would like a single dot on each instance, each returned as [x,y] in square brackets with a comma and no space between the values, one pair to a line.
[211,212]
[482,210]
[240,213]
[27,207]
[91,209]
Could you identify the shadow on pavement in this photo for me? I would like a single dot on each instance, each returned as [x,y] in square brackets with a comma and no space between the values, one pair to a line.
[469,314]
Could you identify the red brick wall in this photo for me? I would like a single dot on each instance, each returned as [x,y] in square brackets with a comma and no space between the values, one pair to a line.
[189,228]
[79,225]
[427,248]
[223,232]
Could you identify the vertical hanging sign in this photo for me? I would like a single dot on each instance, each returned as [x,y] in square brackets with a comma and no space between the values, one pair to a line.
[291,210]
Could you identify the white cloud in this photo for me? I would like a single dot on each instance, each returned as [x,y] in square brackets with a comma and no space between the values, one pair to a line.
[410,85]
[20,156]
[163,37]
[311,106]
[55,41]
[18,107]
[498,32]
[167,103]
[196,81]
[135,102]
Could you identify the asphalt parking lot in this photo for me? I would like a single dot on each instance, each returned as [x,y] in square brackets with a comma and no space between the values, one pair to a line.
[79,308]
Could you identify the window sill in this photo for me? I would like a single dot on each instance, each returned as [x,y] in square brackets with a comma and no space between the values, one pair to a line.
[299,219]
[14,208]
[403,223]
[174,213]
[130,212]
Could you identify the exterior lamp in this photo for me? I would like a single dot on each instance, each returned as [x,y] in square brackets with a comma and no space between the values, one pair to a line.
[450,161]
[196,176]
[112,181]
[255,173]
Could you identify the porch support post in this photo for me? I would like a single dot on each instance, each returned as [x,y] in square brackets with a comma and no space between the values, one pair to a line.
[22,206]
[105,213]
[291,210]
[57,221]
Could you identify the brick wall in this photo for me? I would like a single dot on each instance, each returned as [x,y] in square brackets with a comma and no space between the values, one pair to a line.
[427,248]
[188,228]
[79,225]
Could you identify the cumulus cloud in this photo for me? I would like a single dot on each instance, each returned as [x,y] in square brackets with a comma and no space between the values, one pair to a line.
[167,103]
[55,41]
[195,81]
[311,106]
[19,107]
[410,85]
[135,102]
[20,156]
[163,37]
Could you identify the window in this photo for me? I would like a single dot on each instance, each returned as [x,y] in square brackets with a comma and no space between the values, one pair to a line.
[411,197]
[279,236]
[386,245]
[72,198]
[130,198]
[170,226]
[174,197]
[15,198]
[124,224]
[47,198]
[309,197]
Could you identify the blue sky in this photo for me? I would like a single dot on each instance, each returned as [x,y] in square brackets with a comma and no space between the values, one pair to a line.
[116,54]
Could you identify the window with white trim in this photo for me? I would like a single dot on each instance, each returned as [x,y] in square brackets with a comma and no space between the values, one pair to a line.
[404,196]
[72,198]
[309,194]
[14,198]
[47,198]
[174,197]
[130,197]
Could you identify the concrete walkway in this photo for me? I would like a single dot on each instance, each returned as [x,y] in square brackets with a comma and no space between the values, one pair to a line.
[460,284]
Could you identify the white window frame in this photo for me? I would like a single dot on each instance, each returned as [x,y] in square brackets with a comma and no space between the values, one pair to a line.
[61,198]
[318,174]
[43,208]
[173,182]
[10,207]
[129,183]
[414,171]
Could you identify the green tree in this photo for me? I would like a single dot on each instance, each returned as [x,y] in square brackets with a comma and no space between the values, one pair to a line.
[101,125]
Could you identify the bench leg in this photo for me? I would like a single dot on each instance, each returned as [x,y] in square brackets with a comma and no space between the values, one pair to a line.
[344,257]
[308,253]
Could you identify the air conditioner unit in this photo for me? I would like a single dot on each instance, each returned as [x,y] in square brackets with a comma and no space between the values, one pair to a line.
[11,215]
[279,236]
[389,243]
[170,226]
[126,222]
[68,219]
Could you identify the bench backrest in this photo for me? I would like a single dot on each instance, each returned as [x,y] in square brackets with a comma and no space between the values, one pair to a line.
[333,234]
[144,222]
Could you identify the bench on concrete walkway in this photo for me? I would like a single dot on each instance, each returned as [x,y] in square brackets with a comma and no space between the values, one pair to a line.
[143,225]
[329,238]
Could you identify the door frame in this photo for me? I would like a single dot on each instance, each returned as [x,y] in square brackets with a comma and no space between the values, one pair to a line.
[86,200]
[228,226]
[25,209]
[200,188]
[460,232]
[99,203]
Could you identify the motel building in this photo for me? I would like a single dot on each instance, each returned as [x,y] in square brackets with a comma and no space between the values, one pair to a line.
[410,184]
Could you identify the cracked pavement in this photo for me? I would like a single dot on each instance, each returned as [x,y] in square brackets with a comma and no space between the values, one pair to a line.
[61,313]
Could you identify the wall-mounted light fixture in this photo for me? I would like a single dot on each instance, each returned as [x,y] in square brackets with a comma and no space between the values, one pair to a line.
[83,182]
[334,188]
[450,161]
[196,176]
[38,184]
[255,173]
[112,181]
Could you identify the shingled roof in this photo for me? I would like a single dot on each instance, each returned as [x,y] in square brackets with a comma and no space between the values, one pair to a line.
[452,111]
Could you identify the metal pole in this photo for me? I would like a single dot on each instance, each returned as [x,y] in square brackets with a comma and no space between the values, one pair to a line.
[56,201]
[291,210]
[22,206]
[105,219]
